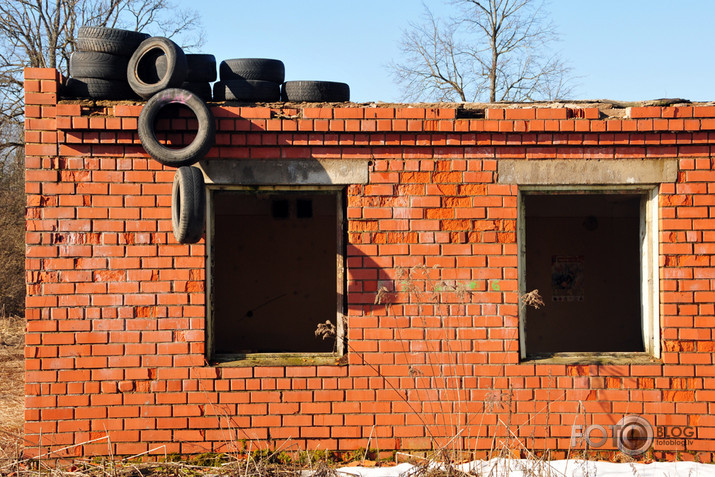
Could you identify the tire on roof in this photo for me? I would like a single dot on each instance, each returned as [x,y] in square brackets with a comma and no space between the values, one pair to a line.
[142,72]
[200,89]
[201,68]
[264,69]
[109,40]
[93,64]
[247,90]
[97,88]
[315,91]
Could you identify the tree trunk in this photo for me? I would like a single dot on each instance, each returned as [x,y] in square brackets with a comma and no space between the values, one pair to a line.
[493,75]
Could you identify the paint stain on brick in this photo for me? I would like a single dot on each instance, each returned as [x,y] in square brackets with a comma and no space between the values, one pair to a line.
[455,225]
[192,287]
[109,275]
[415,177]
[75,238]
[577,370]
[456,201]
[363,226]
[472,189]
[144,311]
[678,396]
[646,383]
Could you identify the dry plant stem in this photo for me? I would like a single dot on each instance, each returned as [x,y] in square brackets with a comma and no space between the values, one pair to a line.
[39,457]
[511,433]
[144,453]
[419,284]
[421,288]
[387,381]
[367,448]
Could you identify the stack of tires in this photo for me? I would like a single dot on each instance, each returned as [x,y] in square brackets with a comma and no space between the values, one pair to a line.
[250,80]
[159,64]
[98,69]
[200,73]
[263,80]
[160,72]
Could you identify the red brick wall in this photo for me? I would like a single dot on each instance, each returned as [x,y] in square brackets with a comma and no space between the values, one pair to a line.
[116,308]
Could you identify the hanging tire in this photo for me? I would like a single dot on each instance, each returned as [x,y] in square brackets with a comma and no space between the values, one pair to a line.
[253,91]
[142,72]
[201,68]
[188,209]
[93,64]
[109,40]
[315,91]
[96,88]
[187,155]
[263,69]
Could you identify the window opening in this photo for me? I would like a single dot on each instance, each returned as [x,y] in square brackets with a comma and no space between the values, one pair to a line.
[277,263]
[589,253]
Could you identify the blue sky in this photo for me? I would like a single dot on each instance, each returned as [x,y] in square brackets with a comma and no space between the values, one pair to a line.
[625,50]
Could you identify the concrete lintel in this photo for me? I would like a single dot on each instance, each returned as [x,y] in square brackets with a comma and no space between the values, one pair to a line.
[284,172]
[587,171]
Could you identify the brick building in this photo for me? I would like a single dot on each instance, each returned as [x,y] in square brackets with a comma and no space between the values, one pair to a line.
[413,228]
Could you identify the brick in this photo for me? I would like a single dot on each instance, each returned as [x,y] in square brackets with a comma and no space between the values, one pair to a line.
[69,110]
[526,113]
[40,149]
[318,113]
[645,112]
[41,98]
[41,74]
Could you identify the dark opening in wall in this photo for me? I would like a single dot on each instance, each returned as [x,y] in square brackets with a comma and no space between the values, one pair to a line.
[464,113]
[304,208]
[275,270]
[583,255]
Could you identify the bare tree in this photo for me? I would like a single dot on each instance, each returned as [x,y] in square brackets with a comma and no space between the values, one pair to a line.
[42,33]
[12,234]
[494,49]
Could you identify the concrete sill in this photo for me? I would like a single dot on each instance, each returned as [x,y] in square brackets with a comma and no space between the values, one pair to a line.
[592,358]
[278,359]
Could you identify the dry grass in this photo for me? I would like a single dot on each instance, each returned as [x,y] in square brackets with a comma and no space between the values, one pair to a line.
[12,388]
[245,463]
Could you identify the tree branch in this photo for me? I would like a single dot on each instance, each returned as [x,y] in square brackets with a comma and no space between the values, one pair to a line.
[494,48]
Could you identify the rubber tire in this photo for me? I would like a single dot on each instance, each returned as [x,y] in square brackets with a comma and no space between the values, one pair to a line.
[201,68]
[93,64]
[96,88]
[188,205]
[200,89]
[141,71]
[109,40]
[205,136]
[263,69]
[253,91]
[315,91]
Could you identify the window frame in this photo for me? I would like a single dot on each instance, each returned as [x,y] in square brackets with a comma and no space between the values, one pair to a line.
[649,268]
[287,358]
